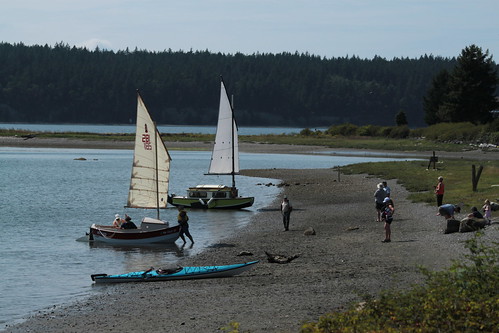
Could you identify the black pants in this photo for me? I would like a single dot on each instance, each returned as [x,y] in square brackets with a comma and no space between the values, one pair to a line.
[285,220]
[440,198]
[184,230]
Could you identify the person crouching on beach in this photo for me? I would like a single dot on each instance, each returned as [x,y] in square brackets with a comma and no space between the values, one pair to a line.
[387,216]
[447,211]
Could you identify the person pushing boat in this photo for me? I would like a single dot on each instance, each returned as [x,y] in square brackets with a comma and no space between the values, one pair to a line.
[183,219]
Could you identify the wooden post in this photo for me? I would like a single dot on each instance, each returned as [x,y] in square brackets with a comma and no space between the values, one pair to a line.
[433,159]
[475,176]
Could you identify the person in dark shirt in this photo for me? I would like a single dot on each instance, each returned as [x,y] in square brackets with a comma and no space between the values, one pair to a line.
[128,223]
[475,213]
[183,219]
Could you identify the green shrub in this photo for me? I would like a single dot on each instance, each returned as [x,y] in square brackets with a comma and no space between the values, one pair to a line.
[309,132]
[386,132]
[464,298]
[400,132]
[453,132]
[306,132]
[346,129]
[369,130]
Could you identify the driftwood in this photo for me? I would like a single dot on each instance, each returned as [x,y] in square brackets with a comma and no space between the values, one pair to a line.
[279,259]
[475,176]
[245,253]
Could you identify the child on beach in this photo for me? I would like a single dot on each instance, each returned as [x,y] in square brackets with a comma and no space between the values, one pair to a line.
[387,216]
[487,211]
[439,191]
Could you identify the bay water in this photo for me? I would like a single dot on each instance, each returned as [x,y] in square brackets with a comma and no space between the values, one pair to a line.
[130,128]
[50,197]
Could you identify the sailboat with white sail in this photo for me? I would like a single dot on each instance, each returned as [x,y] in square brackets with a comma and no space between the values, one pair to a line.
[224,161]
[148,188]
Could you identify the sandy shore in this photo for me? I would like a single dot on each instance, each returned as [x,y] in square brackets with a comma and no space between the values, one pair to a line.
[344,260]
[247,147]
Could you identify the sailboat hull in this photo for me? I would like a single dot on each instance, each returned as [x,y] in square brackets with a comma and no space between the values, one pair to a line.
[110,235]
[182,273]
[215,203]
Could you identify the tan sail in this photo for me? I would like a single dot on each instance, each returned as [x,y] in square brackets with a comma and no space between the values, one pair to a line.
[151,164]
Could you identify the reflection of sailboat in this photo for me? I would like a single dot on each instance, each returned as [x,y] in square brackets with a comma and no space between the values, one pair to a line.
[224,161]
[148,188]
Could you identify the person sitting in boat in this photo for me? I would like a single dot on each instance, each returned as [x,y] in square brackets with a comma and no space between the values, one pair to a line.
[118,221]
[233,192]
[128,223]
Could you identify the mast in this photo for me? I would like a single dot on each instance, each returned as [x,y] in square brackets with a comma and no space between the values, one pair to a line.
[157,173]
[232,143]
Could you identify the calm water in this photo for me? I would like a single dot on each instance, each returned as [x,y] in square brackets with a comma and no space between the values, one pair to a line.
[49,199]
[131,129]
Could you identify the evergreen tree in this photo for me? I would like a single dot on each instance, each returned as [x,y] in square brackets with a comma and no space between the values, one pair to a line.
[436,96]
[471,89]
[401,119]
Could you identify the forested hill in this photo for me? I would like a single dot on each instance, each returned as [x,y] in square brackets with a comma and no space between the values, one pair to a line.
[74,85]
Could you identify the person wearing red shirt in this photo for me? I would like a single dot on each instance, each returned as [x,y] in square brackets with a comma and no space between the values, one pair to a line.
[439,191]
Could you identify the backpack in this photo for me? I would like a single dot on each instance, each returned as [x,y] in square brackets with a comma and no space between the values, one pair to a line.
[387,214]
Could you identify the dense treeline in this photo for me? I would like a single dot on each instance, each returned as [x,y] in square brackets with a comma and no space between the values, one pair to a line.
[75,85]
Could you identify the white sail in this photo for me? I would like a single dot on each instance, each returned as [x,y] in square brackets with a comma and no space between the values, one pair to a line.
[151,164]
[225,155]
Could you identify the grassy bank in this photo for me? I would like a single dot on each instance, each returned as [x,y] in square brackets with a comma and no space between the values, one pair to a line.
[182,137]
[420,181]
[355,142]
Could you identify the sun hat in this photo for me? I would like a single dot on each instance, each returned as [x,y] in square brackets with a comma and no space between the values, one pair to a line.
[117,216]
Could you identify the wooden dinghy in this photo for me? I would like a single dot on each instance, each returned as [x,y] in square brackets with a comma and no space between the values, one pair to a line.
[179,273]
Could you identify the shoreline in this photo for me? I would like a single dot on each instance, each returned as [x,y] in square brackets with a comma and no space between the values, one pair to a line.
[345,259]
[335,267]
[246,147]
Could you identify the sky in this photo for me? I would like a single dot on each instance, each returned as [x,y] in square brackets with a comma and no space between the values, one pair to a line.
[326,28]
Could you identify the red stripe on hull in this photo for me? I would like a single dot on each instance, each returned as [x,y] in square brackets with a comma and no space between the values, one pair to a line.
[117,235]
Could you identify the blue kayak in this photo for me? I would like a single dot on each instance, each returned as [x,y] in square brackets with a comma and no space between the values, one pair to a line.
[178,273]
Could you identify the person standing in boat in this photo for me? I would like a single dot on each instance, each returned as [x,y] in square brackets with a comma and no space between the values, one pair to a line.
[183,219]
[286,209]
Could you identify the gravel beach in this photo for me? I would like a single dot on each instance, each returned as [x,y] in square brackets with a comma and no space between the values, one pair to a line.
[343,261]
